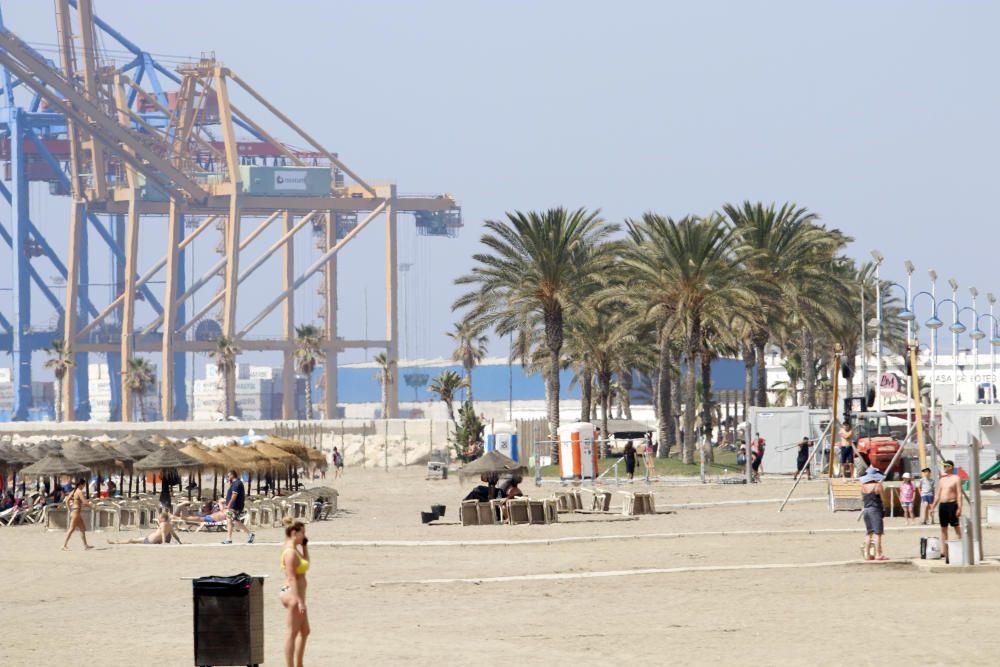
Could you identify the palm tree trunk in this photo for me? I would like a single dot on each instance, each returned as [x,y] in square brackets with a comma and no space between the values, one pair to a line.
[663,399]
[225,394]
[706,404]
[309,396]
[604,382]
[654,385]
[677,397]
[468,378]
[554,342]
[58,388]
[809,367]
[760,344]
[749,361]
[690,389]
[625,398]
[586,393]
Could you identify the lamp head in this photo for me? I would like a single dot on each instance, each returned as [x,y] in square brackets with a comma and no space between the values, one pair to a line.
[957,327]
[990,298]
[877,256]
[933,275]
[906,315]
[934,323]
[953,283]
[995,339]
[909,267]
[974,292]
[977,334]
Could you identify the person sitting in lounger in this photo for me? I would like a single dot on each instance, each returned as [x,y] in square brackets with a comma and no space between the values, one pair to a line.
[162,535]
[513,491]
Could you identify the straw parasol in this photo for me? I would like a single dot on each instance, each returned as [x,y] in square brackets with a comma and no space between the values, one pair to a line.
[492,462]
[54,464]
[277,455]
[246,458]
[292,446]
[167,458]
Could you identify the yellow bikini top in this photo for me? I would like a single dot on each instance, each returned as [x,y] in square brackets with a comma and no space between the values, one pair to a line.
[303,565]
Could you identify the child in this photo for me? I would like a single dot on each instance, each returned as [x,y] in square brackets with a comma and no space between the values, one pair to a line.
[926,494]
[906,494]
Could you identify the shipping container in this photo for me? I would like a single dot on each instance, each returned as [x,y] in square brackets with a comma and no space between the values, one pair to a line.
[286,181]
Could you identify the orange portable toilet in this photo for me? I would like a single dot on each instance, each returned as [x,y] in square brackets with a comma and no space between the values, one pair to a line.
[577,451]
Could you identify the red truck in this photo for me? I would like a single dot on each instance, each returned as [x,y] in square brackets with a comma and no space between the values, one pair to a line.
[875,444]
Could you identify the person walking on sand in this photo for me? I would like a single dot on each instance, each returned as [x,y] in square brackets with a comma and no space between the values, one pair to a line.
[803,458]
[873,510]
[338,464]
[235,502]
[76,501]
[948,500]
[926,495]
[295,564]
[630,460]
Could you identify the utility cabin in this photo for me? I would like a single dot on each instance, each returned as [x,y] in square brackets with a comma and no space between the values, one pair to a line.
[782,430]
[960,423]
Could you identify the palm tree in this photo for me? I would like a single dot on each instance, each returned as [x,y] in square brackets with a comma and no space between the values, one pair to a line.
[224,355]
[140,376]
[470,347]
[787,391]
[446,385]
[308,352]
[598,332]
[384,375]
[693,265]
[779,247]
[536,266]
[60,361]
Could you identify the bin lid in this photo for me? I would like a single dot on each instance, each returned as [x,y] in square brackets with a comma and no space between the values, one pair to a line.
[236,584]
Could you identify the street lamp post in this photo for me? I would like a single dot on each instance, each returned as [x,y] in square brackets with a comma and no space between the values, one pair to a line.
[994,342]
[909,328]
[976,335]
[934,334]
[877,256]
[956,328]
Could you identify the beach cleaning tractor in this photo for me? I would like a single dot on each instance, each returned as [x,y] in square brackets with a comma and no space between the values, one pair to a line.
[875,444]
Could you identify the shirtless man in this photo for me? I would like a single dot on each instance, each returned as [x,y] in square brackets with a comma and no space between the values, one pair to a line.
[948,500]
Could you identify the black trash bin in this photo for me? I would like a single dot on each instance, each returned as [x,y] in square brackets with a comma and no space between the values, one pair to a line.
[228,620]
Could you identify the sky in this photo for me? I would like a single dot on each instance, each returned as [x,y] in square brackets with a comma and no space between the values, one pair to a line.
[879,116]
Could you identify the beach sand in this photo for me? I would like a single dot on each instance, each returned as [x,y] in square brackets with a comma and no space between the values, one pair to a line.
[803,597]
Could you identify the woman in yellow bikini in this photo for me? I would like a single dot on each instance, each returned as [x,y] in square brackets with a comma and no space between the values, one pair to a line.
[295,564]
[75,501]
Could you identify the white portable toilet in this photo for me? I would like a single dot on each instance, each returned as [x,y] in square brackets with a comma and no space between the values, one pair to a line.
[577,451]
[502,437]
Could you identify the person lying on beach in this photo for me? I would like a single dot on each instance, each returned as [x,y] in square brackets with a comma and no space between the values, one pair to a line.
[216,516]
[162,535]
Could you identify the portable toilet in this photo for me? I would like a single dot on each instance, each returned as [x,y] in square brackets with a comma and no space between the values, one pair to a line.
[502,437]
[577,451]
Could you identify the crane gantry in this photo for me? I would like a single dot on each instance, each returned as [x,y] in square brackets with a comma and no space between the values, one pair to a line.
[125,148]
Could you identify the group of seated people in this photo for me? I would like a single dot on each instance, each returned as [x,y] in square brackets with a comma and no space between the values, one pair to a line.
[497,487]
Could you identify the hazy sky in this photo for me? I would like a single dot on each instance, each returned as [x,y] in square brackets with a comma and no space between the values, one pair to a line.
[880,116]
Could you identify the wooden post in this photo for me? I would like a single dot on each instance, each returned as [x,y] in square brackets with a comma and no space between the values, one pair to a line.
[915,391]
[834,430]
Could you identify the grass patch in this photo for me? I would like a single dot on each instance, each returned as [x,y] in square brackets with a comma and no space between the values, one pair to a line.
[724,461]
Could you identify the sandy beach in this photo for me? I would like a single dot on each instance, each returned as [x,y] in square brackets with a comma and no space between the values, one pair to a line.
[726,582]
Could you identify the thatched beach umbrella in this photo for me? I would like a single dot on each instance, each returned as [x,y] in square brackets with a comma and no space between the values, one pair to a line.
[491,463]
[123,461]
[281,459]
[164,459]
[54,465]
[98,460]
[205,456]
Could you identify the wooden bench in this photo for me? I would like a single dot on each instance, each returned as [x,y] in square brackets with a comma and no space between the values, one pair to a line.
[845,494]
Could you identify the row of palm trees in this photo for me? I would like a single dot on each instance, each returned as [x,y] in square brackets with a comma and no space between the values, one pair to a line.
[140,374]
[660,298]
